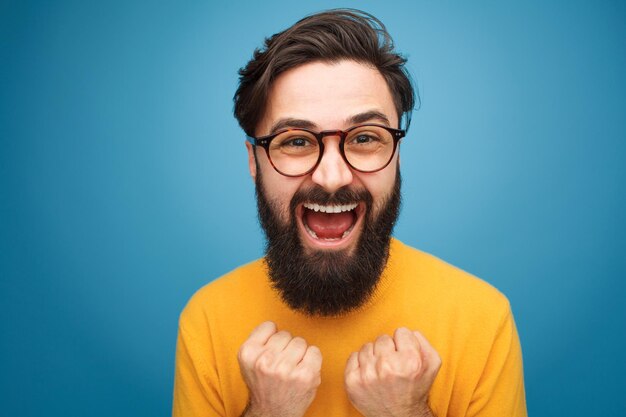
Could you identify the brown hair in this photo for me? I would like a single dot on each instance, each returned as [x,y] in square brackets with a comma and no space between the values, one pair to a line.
[328,36]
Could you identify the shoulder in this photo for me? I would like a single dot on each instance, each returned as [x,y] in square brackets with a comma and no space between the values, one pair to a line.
[451,286]
[226,292]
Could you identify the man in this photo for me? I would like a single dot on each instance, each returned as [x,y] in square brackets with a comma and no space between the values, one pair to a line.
[339,319]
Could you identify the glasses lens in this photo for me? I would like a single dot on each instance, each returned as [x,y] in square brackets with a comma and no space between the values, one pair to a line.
[294,152]
[369,148]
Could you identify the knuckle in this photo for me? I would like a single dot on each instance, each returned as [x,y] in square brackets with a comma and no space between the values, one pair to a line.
[405,366]
[409,357]
[265,326]
[307,378]
[298,343]
[350,375]
[315,353]
[284,334]
[369,379]
[416,365]
[264,362]
[352,380]
[385,372]
[403,334]
[366,348]
[383,340]
[315,350]
[283,371]
[392,370]
[270,324]
[246,354]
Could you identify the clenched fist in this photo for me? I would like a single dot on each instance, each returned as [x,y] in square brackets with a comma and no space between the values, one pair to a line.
[282,372]
[392,376]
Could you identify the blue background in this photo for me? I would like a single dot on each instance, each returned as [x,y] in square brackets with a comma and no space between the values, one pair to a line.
[124,184]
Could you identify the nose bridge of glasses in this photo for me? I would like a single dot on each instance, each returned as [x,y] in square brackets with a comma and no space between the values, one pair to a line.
[325,146]
[329,133]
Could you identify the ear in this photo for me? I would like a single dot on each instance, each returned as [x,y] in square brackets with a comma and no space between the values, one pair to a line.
[251,160]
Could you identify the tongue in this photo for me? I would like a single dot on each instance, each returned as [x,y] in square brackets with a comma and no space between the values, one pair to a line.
[328,225]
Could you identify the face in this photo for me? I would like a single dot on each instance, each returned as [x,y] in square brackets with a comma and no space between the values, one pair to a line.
[323,96]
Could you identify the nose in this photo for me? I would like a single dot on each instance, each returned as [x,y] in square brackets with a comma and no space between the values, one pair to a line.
[332,173]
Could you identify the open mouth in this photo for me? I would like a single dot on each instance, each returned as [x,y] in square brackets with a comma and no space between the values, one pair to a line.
[330,225]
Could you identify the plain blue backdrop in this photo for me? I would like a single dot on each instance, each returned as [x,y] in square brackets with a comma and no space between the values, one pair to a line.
[124,184]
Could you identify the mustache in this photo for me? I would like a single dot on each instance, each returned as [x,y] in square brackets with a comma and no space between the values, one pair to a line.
[317,195]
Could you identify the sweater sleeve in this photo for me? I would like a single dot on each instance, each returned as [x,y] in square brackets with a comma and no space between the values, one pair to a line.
[500,390]
[196,384]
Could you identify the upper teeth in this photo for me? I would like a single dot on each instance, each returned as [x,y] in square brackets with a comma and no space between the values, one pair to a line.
[330,209]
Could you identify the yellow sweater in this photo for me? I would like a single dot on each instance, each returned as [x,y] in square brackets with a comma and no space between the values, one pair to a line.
[465,319]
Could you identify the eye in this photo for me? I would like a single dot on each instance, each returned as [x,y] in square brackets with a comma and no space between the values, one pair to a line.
[363,138]
[296,142]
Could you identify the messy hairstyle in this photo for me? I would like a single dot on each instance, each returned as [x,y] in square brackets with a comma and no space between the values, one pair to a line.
[328,36]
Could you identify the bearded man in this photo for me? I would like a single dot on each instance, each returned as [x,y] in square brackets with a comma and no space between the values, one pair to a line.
[339,318]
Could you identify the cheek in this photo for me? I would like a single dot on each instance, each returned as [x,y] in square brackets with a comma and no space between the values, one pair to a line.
[279,190]
[381,185]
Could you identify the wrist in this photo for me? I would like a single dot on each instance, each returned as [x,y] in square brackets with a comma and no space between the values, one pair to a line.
[423,410]
[253,410]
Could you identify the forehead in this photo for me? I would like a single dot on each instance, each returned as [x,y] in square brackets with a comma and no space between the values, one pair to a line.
[328,95]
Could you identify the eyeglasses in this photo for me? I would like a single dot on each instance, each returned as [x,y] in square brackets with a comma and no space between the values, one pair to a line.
[297,152]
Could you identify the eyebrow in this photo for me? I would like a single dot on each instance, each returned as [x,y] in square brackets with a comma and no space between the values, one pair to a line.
[368,116]
[292,123]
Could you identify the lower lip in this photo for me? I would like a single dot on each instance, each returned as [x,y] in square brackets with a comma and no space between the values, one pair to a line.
[331,243]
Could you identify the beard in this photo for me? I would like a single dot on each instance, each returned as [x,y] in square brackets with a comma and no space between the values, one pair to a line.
[327,282]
